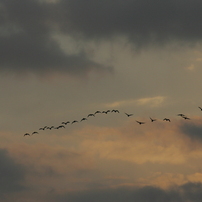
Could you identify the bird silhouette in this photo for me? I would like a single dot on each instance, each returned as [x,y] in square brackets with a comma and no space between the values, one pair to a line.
[166,119]
[43,128]
[106,112]
[186,118]
[35,133]
[61,126]
[84,119]
[65,122]
[140,122]
[200,108]
[97,112]
[90,115]
[74,121]
[115,110]
[181,115]
[152,120]
[128,114]
[51,127]
[26,134]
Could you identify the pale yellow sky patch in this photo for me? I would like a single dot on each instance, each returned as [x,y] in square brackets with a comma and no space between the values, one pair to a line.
[152,145]
[196,177]
[57,157]
[121,103]
[199,59]
[163,180]
[150,101]
[191,67]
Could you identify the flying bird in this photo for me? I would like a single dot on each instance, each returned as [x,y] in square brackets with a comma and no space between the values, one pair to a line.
[152,120]
[74,121]
[83,119]
[128,114]
[65,122]
[61,126]
[90,115]
[97,112]
[187,118]
[26,134]
[181,115]
[106,111]
[200,108]
[43,128]
[35,133]
[115,110]
[166,119]
[140,122]
[51,127]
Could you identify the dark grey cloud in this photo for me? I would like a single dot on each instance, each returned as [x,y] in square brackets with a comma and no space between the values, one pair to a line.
[27,45]
[193,131]
[12,174]
[192,191]
[27,27]
[187,192]
[143,21]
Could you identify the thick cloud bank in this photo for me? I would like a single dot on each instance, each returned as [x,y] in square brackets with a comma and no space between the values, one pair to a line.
[27,27]
[142,21]
[27,45]
[11,174]
[187,192]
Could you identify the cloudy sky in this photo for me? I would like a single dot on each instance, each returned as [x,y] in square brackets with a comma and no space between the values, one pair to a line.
[61,60]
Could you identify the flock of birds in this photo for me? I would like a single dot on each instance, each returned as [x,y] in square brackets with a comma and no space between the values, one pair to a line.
[64,123]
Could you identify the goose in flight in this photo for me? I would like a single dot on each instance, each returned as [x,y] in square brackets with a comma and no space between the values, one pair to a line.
[106,111]
[152,120]
[140,122]
[90,115]
[50,128]
[186,118]
[128,114]
[26,134]
[65,122]
[43,128]
[61,126]
[200,108]
[84,119]
[74,121]
[35,133]
[181,115]
[115,110]
[166,119]
[97,112]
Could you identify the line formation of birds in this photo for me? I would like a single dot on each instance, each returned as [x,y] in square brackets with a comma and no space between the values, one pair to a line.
[63,124]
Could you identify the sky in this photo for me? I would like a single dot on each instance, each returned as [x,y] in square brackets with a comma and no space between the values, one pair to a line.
[61,60]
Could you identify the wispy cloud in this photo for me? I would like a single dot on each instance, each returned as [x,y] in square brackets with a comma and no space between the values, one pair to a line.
[149,101]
